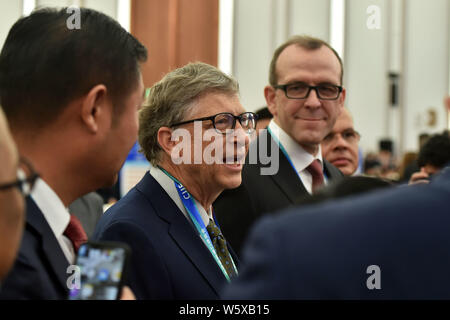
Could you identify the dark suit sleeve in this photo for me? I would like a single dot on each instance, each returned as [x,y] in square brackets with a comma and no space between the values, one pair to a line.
[147,275]
[22,283]
[261,275]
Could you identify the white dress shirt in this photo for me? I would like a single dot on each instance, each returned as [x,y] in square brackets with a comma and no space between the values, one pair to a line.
[56,214]
[300,158]
[169,186]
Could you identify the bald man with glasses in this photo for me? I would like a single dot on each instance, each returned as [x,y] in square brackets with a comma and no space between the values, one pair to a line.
[340,146]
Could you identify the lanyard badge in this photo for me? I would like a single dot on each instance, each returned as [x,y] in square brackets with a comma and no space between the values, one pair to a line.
[194,215]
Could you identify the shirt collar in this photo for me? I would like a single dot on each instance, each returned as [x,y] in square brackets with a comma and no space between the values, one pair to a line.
[168,185]
[300,158]
[51,206]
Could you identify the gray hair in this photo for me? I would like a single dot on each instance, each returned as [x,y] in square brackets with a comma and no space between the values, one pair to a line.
[172,98]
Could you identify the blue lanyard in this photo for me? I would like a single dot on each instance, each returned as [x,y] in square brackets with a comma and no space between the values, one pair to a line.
[196,219]
[287,156]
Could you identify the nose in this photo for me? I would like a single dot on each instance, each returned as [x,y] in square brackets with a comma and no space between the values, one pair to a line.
[339,142]
[312,100]
[241,137]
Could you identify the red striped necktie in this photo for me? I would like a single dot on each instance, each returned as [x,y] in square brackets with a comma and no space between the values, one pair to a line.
[315,169]
[75,233]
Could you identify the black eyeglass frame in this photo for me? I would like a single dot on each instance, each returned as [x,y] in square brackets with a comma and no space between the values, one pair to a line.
[239,117]
[19,183]
[315,88]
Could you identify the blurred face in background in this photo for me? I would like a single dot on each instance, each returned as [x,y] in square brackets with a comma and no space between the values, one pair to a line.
[13,200]
[340,146]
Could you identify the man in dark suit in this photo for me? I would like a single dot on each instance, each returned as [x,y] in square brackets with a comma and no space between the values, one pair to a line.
[178,250]
[72,107]
[305,97]
[391,244]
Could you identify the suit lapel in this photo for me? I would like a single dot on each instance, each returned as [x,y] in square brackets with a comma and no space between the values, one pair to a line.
[286,179]
[331,171]
[183,233]
[52,251]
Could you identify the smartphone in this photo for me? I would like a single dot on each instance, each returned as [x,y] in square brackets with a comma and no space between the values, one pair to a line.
[102,267]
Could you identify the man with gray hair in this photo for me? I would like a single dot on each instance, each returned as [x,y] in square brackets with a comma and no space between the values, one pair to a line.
[195,133]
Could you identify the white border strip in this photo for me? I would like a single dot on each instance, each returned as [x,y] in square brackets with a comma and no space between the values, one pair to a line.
[226,22]
[28,6]
[124,14]
[337,26]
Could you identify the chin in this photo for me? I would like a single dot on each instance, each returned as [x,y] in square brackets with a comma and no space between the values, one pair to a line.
[346,171]
[232,182]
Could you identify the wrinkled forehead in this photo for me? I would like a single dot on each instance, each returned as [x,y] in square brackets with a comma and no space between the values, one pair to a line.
[215,102]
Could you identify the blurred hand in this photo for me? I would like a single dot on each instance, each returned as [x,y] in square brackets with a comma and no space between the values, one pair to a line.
[127,294]
[420,177]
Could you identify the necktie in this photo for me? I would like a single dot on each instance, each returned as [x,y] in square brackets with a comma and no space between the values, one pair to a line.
[315,169]
[221,247]
[75,233]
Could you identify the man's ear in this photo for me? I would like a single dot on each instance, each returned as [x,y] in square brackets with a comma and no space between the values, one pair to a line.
[270,95]
[164,137]
[94,106]
[342,100]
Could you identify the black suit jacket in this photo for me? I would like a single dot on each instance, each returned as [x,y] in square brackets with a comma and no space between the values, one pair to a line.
[168,260]
[391,244]
[237,209]
[40,269]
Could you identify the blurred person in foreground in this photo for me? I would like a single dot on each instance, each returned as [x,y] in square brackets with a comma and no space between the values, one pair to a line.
[12,189]
[72,107]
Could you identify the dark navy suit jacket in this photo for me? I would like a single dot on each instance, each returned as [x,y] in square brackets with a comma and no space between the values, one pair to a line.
[326,251]
[237,209]
[169,260]
[40,269]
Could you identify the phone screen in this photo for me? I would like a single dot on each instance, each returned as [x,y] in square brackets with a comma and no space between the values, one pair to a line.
[101,267]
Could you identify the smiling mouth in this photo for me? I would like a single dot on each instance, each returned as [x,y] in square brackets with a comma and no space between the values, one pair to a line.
[235,161]
[309,119]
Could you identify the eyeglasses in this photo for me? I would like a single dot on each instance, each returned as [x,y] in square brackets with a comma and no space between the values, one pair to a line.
[301,90]
[226,121]
[26,178]
[349,135]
